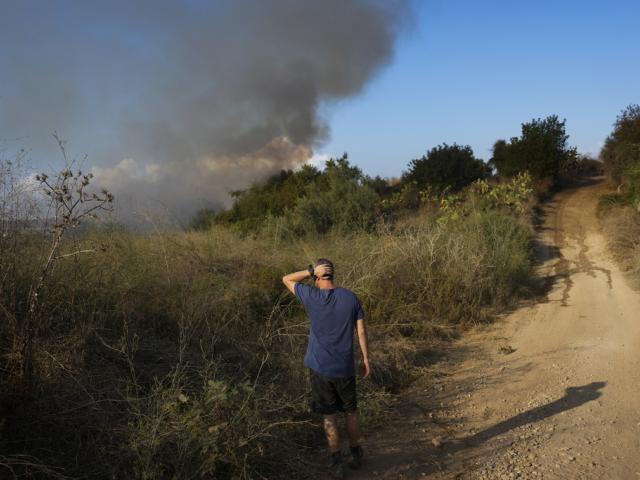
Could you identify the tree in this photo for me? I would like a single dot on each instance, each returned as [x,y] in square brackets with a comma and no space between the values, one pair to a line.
[541,150]
[262,199]
[311,201]
[339,199]
[621,151]
[453,166]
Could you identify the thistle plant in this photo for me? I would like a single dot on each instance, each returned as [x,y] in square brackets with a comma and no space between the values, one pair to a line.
[71,201]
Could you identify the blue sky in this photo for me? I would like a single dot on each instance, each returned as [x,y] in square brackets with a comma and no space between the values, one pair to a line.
[471,72]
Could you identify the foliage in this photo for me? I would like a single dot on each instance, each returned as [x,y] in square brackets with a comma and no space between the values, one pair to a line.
[513,195]
[270,198]
[622,148]
[408,197]
[178,355]
[620,210]
[204,314]
[382,186]
[344,207]
[209,431]
[446,166]
[541,150]
[341,197]
[621,154]
[308,200]
[584,166]
[633,175]
[621,224]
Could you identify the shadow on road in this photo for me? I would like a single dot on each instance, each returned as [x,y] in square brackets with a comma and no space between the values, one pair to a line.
[415,457]
[574,397]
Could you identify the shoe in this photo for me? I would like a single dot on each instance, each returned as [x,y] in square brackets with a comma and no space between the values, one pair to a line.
[336,468]
[356,457]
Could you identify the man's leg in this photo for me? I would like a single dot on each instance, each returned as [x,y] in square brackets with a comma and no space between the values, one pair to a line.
[353,427]
[333,438]
[353,430]
[331,430]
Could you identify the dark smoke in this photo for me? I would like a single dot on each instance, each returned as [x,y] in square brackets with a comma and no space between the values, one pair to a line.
[183,101]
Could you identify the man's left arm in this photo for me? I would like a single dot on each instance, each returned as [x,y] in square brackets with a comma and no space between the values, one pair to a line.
[364,346]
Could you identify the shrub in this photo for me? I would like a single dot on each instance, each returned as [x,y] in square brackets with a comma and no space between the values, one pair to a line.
[446,166]
[511,196]
[541,150]
[309,201]
[621,150]
[583,166]
[408,197]
[217,429]
[345,206]
[272,197]
[621,223]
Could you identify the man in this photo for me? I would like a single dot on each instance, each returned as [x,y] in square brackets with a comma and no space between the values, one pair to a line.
[334,313]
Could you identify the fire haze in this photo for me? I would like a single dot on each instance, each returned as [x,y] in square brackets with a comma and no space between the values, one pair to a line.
[184,101]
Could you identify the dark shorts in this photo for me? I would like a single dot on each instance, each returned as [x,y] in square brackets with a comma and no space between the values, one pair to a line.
[331,395]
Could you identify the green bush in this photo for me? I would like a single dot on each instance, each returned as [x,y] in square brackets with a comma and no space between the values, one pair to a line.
[541,150]
[217,429]
[584,166]
[620,210]
[621,150]
[345,206]
[446,166]
[272,197]
[308,200]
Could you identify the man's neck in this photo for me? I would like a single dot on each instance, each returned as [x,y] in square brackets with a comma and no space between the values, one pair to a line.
[326,285]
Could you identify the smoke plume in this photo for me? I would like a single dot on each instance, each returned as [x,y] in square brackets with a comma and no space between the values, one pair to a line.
[184,101]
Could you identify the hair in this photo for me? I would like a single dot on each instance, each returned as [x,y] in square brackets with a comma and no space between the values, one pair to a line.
[325,261]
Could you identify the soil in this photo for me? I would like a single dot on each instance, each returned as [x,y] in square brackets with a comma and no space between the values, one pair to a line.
[550,390]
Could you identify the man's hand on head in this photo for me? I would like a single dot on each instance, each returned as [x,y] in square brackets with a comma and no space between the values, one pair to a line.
[323,270]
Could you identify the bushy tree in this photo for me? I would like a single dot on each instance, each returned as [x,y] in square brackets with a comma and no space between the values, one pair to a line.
[383,186]
[453,166]
[345,206]
[309,200]
[621,151]
[340,199]
[584,166]
[262,199]
[541,150]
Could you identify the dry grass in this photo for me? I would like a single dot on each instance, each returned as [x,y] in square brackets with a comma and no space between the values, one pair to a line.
[621,224]
[180,355]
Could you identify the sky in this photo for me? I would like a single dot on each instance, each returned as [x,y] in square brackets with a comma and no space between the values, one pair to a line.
[472,72]
[184,101]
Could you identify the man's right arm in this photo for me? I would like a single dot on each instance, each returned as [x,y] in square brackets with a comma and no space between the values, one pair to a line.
[291,279]
[364,345]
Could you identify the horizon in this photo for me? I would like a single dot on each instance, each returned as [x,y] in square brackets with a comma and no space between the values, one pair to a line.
[438,76]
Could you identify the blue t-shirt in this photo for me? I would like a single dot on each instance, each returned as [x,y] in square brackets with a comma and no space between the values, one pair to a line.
[333,314]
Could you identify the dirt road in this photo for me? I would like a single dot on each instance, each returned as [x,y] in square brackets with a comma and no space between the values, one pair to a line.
[551,390]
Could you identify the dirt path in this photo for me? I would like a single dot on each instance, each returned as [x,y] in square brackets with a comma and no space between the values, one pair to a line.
[551,390]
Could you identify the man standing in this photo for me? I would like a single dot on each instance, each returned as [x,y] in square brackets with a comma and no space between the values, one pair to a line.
[334,313]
